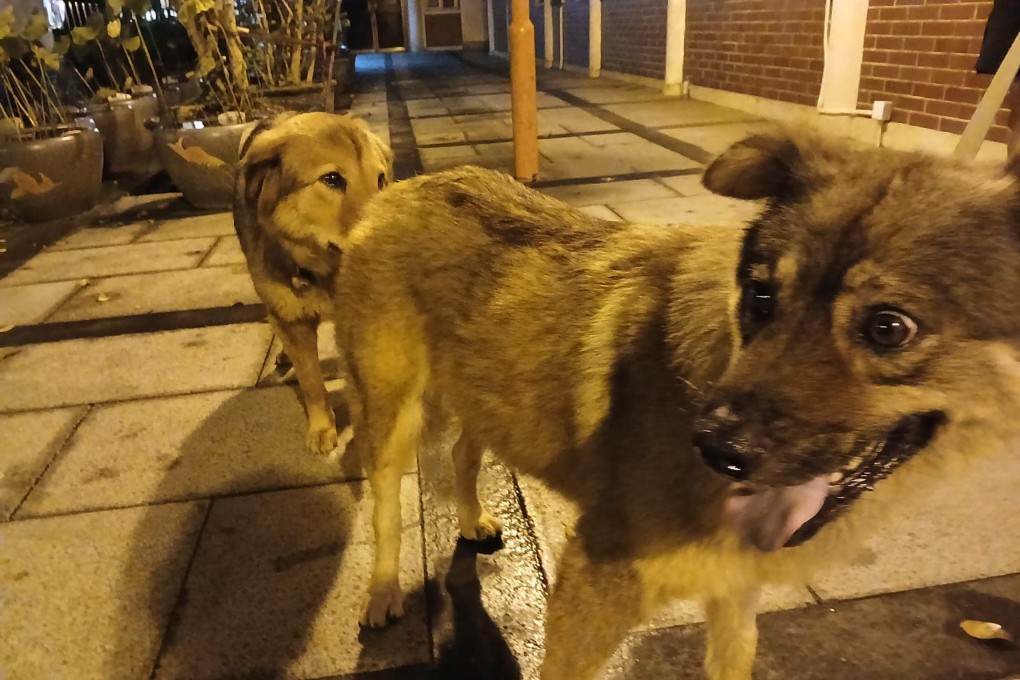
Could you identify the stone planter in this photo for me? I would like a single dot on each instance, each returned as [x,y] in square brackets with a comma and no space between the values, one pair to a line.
[203,162]
[51,174]
[302,97]
[129,145]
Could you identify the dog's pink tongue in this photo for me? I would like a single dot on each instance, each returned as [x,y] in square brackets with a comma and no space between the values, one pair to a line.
[768,518]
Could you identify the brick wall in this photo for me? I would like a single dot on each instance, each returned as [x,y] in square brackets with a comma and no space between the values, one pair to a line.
[920,55]
[500,14]
[575,32]
[634,37]
[763,48]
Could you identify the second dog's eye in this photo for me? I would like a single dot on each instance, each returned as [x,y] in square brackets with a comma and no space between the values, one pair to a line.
[759,300]
[334,180]
[889,329]
[382,180]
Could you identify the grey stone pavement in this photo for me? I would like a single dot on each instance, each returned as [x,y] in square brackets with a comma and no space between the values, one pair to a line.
[159,518]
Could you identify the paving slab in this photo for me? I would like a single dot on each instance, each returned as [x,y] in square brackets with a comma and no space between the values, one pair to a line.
[199,288]
[132,366]
[29,442]
[610,192]
[92,237]
[227,251]
[717,138]
[68,265]
[686,185]
[89,596]
[553,515]
[328,356]
[908,636]
[487,601]
[606,155]
[601,212]
[612,93]
[671,112]
[960,526]
[277,585]
[32,303]
[214,224]
[705,209]
[178,448]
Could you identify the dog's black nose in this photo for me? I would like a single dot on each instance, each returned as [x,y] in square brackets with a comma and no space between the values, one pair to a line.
[722,456]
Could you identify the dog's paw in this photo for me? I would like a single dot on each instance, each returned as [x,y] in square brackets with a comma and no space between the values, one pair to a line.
[384,605]
[482,529]
[322,440]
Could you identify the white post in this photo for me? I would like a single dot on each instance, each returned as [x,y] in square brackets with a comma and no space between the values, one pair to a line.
[594,38]
[676,29]
[492,25]
[548,21]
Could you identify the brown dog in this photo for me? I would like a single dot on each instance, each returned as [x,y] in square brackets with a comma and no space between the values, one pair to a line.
[303,181]
[718,402]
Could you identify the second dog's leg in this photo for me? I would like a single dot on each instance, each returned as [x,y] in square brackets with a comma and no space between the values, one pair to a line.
[300,342]
[732,634]
[591,609]
[385,600]
[476,524]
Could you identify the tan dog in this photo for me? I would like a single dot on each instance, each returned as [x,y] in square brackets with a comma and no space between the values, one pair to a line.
[303,181]
[712,399]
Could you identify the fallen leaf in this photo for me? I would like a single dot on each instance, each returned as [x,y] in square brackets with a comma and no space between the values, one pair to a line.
[196,155]
[985,630]
[102,297]
[6,328]
[83,283]
[25,184]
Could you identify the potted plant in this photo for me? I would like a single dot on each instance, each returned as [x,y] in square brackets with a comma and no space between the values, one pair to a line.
[50,167]
[121,103]
[199,144]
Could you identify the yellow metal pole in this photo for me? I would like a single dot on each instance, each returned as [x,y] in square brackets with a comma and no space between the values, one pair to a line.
[523,97]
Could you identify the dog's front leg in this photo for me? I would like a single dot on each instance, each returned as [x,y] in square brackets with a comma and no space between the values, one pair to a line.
[591,609]
[476,524]
[732,634]
[300,342]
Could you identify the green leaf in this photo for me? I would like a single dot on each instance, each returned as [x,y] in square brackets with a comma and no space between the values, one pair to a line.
[132,43]
[36,27]
[6,21]
[116,7]
[139,6]
[113,28]
[62,44]
[206,65]
[46,58]
[83,35]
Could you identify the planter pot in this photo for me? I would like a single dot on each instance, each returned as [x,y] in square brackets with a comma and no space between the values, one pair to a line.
[203,162]
[316,96]
[343,73]
[129,145]
[53,174]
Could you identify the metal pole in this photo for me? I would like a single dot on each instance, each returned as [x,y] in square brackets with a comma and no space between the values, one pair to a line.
[523,92]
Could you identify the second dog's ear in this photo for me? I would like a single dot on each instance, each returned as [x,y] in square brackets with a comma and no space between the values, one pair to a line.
[761,166]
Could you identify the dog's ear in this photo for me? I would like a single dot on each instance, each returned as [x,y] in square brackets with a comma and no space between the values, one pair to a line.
[261,166]
[762,166]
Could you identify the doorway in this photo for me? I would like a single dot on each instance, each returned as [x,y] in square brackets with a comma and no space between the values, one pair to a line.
[443,24]
[376,25]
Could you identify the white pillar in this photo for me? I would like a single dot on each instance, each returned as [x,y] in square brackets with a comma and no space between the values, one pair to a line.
[594,38]
[844,55]
[492,25]
[548,21]
[676,30]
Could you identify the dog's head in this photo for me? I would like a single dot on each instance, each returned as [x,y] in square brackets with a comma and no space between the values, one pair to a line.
[306,177]
[878,320]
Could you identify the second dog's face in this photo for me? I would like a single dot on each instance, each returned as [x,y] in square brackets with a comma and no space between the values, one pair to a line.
[878,315]
[309,176]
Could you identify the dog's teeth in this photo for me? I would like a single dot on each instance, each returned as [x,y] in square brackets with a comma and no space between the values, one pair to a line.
[835,478]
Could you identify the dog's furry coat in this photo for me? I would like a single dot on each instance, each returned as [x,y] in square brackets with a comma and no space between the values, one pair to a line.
[589,353]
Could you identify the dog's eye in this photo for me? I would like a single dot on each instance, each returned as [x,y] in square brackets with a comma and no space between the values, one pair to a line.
[334,180]
[382,180]
[890,329]
[759,300]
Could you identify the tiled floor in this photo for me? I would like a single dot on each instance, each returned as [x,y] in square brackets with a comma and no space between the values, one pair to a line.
[160,519]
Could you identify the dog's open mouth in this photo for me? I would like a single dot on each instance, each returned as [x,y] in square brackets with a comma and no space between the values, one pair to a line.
[770,518]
